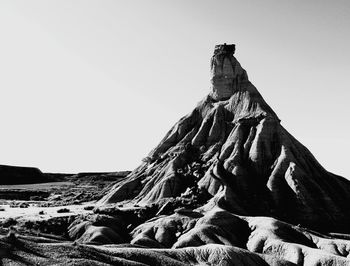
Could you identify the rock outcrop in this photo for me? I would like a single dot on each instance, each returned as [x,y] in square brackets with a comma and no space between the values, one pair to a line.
[233,148]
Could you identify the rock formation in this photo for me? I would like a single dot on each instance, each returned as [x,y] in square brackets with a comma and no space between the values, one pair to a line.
[233,148]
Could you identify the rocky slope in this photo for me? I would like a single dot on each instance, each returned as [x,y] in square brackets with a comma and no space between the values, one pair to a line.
[233,147]
[227,185]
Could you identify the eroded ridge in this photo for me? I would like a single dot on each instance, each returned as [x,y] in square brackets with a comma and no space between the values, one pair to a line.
[232,149]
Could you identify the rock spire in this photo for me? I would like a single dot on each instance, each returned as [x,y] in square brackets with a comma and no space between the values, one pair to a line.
[232,152]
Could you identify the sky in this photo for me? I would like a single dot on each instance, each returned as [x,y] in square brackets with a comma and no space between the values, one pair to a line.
[95,85]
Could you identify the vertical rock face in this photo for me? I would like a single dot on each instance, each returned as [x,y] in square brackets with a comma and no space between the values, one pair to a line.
[232,152]
[227,76]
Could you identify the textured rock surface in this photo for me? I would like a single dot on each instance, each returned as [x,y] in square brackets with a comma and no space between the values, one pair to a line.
[233,147]
[217,238]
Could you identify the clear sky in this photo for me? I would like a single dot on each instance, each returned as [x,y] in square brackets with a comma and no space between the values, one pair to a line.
[94,85]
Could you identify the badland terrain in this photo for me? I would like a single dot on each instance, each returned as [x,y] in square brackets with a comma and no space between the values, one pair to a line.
[227,185]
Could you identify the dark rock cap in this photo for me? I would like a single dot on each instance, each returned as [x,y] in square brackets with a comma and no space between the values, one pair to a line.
[224,49]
